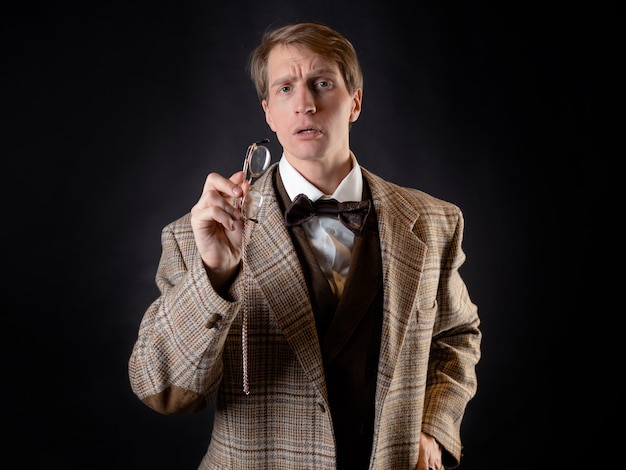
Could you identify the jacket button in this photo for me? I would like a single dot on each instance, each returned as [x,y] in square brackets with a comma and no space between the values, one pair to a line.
[213,320]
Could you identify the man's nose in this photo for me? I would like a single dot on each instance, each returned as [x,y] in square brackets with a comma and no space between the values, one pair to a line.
[305,102]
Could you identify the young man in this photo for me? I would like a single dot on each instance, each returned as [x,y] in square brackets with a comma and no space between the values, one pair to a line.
[329,345]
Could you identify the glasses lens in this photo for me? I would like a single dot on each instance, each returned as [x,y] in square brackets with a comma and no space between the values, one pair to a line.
[251,205]
[259,161]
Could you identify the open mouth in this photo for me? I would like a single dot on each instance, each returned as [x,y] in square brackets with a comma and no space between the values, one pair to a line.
[308,130]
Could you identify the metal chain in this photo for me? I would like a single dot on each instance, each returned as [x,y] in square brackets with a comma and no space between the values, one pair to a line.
[244,319]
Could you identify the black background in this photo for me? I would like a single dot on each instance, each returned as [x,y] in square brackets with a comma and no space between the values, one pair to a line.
[115,113]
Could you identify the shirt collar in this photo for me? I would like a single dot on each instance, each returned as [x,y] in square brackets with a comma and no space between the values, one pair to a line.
[350,188]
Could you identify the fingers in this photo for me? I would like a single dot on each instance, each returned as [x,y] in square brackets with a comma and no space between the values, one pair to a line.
[430,453]
[230,187]
[217,202]
[217,225]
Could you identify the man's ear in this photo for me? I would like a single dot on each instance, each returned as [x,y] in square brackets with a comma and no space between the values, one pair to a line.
[357,98]
[268,116]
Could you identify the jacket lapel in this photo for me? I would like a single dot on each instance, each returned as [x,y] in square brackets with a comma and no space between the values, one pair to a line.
[403,257]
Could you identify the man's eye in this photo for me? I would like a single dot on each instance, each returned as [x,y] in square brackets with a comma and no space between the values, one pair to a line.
[323,84]
[284,89]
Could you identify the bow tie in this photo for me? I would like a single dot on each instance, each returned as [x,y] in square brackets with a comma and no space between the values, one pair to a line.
[352,214]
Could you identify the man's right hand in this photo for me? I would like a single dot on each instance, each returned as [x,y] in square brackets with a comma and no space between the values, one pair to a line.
[217,227]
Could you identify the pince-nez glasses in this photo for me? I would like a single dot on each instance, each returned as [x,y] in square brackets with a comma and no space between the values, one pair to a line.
[257,160]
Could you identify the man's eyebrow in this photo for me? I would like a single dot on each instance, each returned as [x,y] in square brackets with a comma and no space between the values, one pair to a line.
[314,73]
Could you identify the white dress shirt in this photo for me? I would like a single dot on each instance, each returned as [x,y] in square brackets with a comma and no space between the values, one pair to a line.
[331,240]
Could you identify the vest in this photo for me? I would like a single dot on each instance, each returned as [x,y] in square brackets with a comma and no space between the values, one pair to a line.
[349,331]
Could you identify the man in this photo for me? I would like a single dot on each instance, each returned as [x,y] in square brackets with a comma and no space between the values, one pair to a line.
[328,345]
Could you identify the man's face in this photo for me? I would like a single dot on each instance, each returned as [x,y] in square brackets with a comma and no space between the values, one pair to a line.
[309,107]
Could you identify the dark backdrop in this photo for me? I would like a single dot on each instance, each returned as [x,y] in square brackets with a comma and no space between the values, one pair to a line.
[116,113]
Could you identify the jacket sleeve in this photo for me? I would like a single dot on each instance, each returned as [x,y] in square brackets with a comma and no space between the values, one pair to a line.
[455,350]
[175,364]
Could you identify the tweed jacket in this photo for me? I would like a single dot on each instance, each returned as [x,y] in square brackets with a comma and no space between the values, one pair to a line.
[189,344]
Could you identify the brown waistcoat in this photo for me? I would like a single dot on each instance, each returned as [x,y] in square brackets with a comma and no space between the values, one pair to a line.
[349,331]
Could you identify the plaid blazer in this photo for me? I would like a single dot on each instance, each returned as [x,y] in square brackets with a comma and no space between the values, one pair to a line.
[189,344]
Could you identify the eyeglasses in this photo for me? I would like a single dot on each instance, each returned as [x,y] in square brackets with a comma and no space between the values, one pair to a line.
[257,160]
[255,164]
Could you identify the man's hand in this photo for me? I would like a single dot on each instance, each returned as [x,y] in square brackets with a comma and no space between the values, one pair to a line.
[430,454]
[217,227]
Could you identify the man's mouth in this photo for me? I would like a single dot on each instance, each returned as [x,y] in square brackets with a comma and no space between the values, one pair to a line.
[308,130]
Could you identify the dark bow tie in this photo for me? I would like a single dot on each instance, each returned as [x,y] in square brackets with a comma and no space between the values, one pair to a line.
[352,214]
